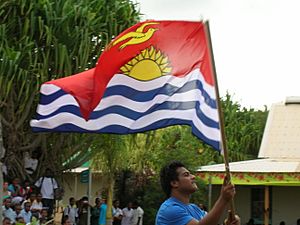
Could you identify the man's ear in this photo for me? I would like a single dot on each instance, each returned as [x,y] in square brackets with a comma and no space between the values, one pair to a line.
[174,184]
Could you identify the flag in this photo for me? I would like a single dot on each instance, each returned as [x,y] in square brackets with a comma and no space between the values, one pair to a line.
[153,75]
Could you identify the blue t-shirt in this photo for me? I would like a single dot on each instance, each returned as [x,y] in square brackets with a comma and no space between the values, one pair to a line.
[173,211]
[102,218]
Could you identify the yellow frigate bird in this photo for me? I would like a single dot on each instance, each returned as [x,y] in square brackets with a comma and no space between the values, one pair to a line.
[137,36]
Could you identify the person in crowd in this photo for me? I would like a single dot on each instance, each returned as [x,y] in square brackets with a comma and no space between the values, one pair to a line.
[179,184]
[31,199]
[7,211]
[6,193]
[127,214]
[282,223]
[71,211]
[102,217]
[27,189]
[31,162]
[66,220]
[117,213]
[95,212]
[37,206]
[298,221]
[83,207]
[20,220]
[6,221]
[47,186]
[137,214]
[44,216]
[15,188]
[26,213]
[18,208]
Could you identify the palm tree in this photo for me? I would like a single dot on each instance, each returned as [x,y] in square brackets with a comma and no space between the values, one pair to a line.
[113,156]
[44,40]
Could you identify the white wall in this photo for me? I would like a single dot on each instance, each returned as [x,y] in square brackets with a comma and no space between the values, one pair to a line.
[241,202]
[285,203]
[81,189]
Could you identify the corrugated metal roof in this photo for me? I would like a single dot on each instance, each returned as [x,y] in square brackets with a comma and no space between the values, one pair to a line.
[258,165]
[280,147]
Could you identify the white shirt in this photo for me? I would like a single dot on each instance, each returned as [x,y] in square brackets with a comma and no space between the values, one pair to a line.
[138,212]
[127,215]
[117,212]
[37,205]
[47,187]
[30,164]
[72,213]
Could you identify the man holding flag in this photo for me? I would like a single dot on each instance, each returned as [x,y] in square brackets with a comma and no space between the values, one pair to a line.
[178,184]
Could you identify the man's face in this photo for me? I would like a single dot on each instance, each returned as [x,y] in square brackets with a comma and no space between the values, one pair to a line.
[7,203]
[5,185]
[32,197]
[39,197]
[18,209]
[27,206]
[186,181]
[48,173]
[72,202]
[44,213]
[129,205]
[16,181]
[6,222]
[116,204]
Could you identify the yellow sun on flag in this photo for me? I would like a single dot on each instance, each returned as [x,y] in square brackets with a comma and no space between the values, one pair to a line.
[147,65]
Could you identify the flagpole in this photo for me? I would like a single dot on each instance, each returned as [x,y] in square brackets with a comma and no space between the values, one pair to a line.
[221,118]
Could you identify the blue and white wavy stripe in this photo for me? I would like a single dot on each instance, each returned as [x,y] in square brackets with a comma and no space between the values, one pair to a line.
[136,107]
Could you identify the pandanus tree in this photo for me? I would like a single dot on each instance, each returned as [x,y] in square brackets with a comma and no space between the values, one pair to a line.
[43,40]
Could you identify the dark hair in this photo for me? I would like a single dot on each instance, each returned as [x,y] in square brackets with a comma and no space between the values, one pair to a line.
[168,174]
[135,203]
[64,219]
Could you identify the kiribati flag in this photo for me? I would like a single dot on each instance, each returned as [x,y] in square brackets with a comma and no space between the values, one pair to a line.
[153,75]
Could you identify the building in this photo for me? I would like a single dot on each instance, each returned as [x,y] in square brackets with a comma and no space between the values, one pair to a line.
[76,184]
[268,188]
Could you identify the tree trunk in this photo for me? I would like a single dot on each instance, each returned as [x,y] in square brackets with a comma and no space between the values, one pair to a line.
[111,184]
[2,152]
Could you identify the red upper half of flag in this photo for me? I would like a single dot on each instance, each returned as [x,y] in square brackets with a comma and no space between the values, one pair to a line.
[183,43]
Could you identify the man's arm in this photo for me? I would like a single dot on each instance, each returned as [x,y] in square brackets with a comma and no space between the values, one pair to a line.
[214,215]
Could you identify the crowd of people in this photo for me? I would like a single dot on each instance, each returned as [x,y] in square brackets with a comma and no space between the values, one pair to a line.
[24,202]
[76,213]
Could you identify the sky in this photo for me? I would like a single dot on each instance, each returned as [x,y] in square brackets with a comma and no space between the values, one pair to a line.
[256,44]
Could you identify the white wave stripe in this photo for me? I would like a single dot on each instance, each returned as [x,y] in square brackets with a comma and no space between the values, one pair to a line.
[115,119]
[121,79]
[64,100]
[48,89]
[192,95]
[119,100]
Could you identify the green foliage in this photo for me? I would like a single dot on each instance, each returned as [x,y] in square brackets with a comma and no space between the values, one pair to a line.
[43,40]
[244,130]
[243,127]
